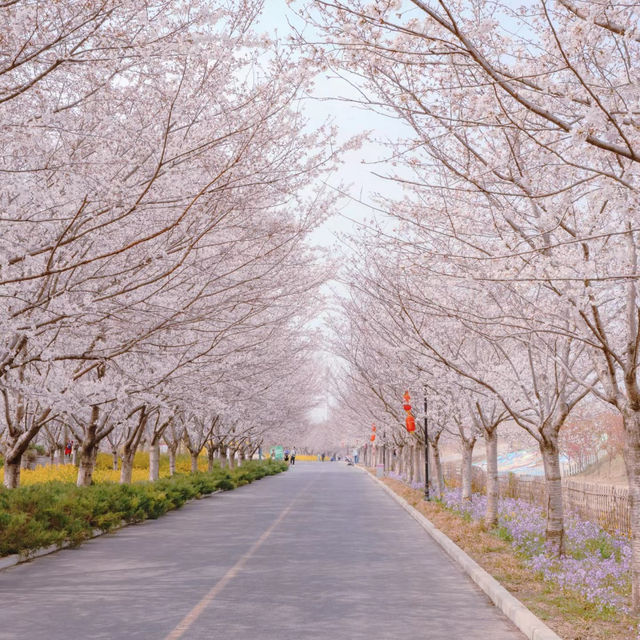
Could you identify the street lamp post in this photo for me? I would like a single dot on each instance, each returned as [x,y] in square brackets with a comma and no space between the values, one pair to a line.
[426,447]
[384,452]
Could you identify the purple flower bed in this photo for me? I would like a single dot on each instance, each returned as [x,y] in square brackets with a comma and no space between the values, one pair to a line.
[401,477]
[597,564]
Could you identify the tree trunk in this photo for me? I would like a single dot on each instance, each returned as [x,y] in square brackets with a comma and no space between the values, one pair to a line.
[437,467]
[231,458]
[222,457]
[493,486]
[553,479]
[126,470]
[467,468]
[12,473]
[74,456]
[631,454]
[172,460]
[154,461]
[418,465]
[194,462]
[87,464]
[52,456]
[60,457]
[211,451]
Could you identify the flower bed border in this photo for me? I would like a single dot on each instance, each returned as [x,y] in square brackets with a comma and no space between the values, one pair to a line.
[513,609]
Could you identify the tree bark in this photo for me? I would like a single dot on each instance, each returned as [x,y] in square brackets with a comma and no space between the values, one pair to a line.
[87,463]
[154,461]
[411,467]
[438,471]
[231,458]
[88,451]
[194,461]
[555,511]
[172,460]
[12,473]
[126,469]
[114,454]
[467,468]
[131,444]
[14,455]
[418,452]
[631,453]
[493,486]
[211,452]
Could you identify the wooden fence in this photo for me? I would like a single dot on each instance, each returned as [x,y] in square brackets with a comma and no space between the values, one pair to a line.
[584,462]
[607,505]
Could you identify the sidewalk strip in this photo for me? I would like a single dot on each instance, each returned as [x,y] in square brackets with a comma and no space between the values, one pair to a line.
[525,620]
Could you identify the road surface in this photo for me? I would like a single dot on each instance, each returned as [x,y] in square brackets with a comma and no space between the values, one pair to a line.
[319,552]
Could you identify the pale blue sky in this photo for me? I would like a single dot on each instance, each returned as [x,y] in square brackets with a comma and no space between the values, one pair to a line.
[356,170]
[350,119]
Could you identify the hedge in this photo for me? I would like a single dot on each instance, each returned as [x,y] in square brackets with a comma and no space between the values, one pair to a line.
[40,515]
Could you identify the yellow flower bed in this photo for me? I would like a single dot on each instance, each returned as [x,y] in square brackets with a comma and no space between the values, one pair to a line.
[104,471]
[56,473]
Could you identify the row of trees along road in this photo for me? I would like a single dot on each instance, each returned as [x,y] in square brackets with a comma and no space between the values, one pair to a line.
[508,279]
[157,194]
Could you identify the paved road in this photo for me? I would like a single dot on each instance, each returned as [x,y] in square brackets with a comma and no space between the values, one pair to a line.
[318,553]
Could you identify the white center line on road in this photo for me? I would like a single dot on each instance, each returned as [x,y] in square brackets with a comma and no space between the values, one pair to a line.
[196,612]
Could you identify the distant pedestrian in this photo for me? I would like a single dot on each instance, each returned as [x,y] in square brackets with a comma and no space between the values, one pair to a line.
[293,456]
[323,457]
[355,456]
[67,449]
[286,455]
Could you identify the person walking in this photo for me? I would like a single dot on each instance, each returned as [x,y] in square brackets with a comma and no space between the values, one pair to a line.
[293,455]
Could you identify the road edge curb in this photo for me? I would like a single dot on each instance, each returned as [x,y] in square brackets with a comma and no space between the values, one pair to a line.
[513,609]
[19,558]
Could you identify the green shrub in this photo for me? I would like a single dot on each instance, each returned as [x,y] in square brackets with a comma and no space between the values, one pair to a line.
[52,513]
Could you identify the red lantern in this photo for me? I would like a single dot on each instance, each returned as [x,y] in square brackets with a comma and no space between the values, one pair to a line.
[410,422]
[406,397]
[373,427]
[373,437]
[406,407]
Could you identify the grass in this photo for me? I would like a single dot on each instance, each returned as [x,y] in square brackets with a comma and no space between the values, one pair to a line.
[568,614]
[52,513]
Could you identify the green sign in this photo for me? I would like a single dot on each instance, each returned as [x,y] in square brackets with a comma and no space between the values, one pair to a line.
[277,453]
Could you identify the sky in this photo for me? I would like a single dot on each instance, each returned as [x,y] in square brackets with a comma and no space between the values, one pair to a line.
[327,104]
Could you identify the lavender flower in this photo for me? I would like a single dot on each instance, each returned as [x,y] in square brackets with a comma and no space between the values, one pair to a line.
[597,564]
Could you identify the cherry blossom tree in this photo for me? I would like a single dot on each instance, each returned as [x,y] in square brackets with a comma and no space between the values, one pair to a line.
[159,194]
[533,113]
